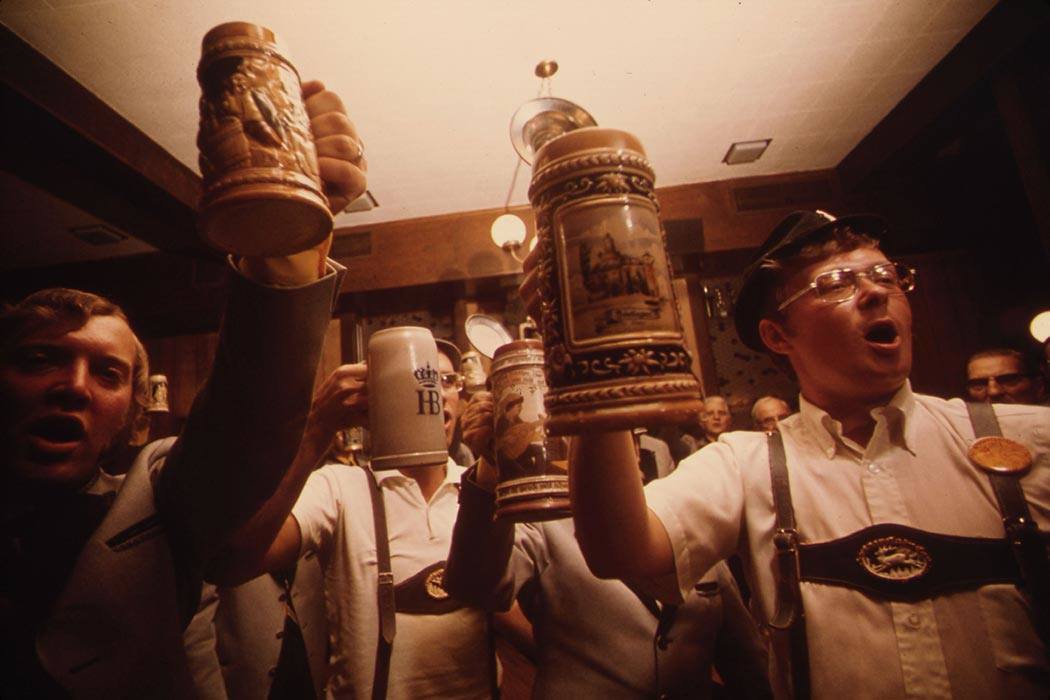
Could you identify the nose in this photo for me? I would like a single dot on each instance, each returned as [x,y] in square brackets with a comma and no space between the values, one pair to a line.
[870,294]
[71,389]
[994,389]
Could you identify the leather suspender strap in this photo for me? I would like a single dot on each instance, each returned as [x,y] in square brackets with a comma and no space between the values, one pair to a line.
[387,609]
[1022,533]
[789,616]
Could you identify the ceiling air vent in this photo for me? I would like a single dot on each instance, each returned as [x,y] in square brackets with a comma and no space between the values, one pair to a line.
[98,234]
[782,194]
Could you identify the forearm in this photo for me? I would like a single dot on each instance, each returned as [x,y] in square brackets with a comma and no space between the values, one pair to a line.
[481,548]
[243,557]
[618,535]
[246,424]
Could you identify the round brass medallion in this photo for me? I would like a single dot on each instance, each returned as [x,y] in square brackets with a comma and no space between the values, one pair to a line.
[1000,455]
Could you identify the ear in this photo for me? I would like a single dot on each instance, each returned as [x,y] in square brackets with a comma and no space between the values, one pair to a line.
[774,336]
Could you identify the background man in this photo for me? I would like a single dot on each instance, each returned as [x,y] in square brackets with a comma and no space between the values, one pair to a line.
[715,419]
[101,574]
[1003,375]
[440,649]
[863,451]
[450,364]
[595,638]
[768,411]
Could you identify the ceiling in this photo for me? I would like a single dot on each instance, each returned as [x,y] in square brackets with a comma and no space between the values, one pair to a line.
[432,86]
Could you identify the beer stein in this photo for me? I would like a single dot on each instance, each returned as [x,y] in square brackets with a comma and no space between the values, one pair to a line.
[474,376]
[262,187]
[613,339]
[405,415]
[533,477]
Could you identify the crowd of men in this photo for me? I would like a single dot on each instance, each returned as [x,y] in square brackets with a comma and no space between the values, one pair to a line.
[894,543]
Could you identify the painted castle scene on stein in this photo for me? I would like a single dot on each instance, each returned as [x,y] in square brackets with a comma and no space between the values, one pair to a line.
[615,279]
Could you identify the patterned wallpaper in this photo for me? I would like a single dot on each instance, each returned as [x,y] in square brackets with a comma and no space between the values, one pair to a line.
[743,374]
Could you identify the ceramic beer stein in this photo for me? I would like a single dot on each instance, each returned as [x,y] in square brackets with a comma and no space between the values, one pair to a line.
[615,352]
[405,415]
[533,478]
[262,187]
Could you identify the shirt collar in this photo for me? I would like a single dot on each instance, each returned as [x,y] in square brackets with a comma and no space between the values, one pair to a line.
[898,419]
[453,472]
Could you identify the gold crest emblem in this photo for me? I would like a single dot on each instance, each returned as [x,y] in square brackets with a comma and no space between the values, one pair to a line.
[894,559]
[434,584]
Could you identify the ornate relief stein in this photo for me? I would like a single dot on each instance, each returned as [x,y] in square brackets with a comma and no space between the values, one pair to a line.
[533,477]
[406,417]
[262,189]
[601,283]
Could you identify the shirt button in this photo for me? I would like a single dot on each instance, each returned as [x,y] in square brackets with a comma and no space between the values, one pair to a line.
[874,468]
[280,634]
[914,621]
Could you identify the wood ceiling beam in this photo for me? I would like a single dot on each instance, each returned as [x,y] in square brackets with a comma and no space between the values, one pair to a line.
[63,139]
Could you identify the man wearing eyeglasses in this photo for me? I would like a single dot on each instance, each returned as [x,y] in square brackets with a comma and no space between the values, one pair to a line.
[450,364]
[870,531]
[1003,375]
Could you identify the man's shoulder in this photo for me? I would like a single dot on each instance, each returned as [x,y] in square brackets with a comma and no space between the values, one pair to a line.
[1021,417]
[738,447]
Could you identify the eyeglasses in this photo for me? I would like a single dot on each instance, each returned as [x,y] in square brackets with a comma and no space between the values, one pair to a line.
[452,380]
[837,286]
[1008,381]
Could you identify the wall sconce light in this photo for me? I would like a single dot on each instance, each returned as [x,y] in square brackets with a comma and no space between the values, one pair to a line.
[716,300]
[509,232]
[1040,326]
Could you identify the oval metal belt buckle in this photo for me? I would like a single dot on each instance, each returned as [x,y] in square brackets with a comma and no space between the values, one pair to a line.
[894,559]
[1000,455]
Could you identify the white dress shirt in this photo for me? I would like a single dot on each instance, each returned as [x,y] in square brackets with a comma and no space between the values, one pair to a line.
[914,471]
[433,655]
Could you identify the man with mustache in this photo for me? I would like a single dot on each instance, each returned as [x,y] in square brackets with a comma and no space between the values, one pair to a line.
[102,573]
[870,524]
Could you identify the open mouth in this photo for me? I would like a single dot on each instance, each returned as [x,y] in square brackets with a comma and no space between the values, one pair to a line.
[57,433]
[882,333]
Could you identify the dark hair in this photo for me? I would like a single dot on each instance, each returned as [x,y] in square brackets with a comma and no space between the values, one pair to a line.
[68,310]
[1029,367]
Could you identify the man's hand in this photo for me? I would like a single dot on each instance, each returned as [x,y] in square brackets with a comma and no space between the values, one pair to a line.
[340,151]
[477,422]
[341,401]
[342,164]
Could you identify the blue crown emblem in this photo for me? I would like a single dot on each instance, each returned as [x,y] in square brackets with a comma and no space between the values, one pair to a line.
[427,376]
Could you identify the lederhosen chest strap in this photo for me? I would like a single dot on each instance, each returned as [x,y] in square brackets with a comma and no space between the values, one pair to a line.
[789,617]
[900,563]
[386,602]
[1027,543]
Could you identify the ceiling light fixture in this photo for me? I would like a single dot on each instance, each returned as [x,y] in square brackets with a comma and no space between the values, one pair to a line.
[746,151]
[536,122]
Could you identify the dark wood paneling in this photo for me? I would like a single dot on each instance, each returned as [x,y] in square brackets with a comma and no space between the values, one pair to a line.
[1005,28]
